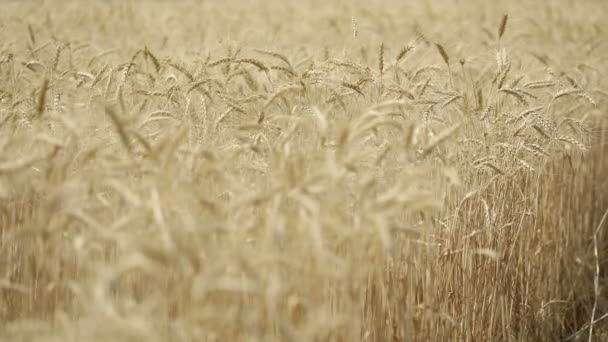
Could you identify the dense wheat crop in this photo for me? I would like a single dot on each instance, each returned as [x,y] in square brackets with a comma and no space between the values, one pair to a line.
[303,171]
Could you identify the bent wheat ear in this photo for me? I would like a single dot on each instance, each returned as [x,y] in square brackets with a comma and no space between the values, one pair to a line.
[253,62]
[403,52]
[442,136]
[153,58]
[182,69]
[353,87]
[443,53]
[502,26]
[42,97]
[57,56]
[30,31]
[277,55]
[118,125]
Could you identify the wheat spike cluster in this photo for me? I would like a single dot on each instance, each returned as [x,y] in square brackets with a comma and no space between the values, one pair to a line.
[303,171]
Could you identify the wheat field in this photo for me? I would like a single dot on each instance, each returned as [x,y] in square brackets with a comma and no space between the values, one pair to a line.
[303,171]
